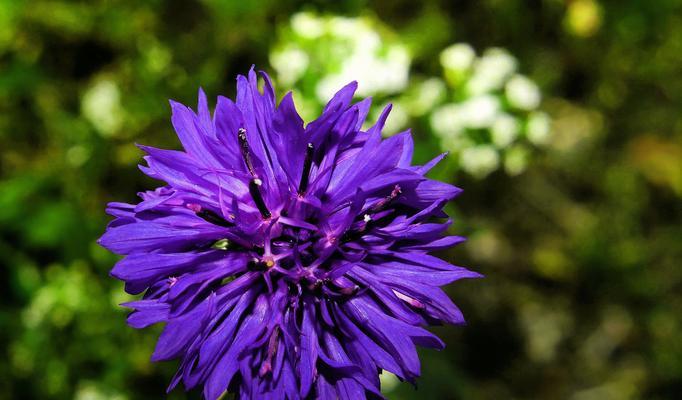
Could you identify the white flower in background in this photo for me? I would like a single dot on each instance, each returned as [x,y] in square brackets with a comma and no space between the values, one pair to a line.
[516,160]
[328,85]
[398,72]
[458,57]
[364,38]
[425,96]
[93,391]
[522,93]
[331,51]
[343,27]
[307,25]
[490,112]
[447,121]
[479,160]
[101,105]
[290,64]
[481,109]
[505,130]
[491,71]
[480,112]
[374,75]
[539,128]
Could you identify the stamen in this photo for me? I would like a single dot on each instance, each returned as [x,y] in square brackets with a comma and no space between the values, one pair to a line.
[383,203]
[209,216]
[273,344]
[307,163]
[194,207]
[244,147]
[368,221]
[269,262]
[214,218]
[409,300]
[254,189]
[349,291]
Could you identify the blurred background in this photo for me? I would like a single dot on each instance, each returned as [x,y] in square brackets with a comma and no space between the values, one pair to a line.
[564,126]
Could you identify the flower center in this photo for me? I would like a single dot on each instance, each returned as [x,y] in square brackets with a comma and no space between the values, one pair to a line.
[292,246]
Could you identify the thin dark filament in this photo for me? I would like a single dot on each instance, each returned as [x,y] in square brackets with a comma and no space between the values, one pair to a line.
[244,148]
[254,189]
[307,164]
[370,222]
[386,201]
[350,236]
[215,219]
[273,344]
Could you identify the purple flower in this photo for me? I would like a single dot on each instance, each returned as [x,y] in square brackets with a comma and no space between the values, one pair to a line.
[287,261]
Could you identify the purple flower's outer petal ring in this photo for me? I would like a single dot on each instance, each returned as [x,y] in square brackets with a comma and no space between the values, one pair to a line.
[287,260]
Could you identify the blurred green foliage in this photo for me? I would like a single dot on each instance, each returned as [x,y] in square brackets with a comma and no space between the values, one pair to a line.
[582,250]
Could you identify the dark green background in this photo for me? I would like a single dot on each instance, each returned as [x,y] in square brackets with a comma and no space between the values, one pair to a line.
[582,252]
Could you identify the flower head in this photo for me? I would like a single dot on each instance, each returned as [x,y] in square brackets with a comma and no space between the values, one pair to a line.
[287,261]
